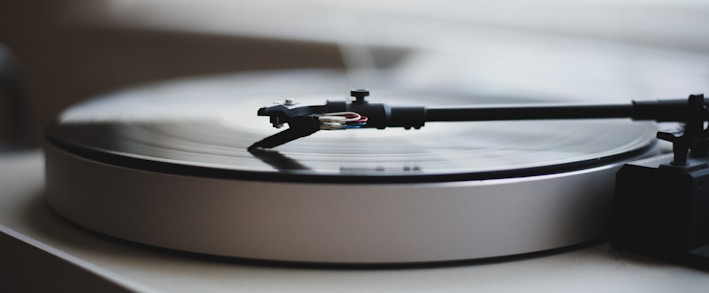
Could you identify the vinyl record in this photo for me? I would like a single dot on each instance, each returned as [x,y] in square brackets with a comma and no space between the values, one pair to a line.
[208,135]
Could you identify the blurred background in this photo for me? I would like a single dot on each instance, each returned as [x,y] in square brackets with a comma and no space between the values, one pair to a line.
[54,53]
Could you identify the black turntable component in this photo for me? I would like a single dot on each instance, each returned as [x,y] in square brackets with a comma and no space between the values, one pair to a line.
[661,207]
[339,115]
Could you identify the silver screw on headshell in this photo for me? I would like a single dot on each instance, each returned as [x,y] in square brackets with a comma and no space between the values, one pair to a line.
[289,102]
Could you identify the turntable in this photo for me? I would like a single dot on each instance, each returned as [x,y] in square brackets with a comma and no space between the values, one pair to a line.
[159,167]
[396,214]
[158,187]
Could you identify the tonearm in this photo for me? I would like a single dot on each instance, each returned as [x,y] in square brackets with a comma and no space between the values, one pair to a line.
[360,113]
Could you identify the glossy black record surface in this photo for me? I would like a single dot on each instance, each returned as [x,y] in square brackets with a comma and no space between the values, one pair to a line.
[203,127]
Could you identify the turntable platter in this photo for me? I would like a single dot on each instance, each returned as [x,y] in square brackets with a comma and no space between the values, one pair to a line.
[167,165]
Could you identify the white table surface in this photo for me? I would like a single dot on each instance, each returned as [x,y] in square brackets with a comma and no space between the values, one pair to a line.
[590,268]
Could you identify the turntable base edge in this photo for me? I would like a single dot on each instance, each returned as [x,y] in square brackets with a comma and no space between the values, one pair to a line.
[332,223]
